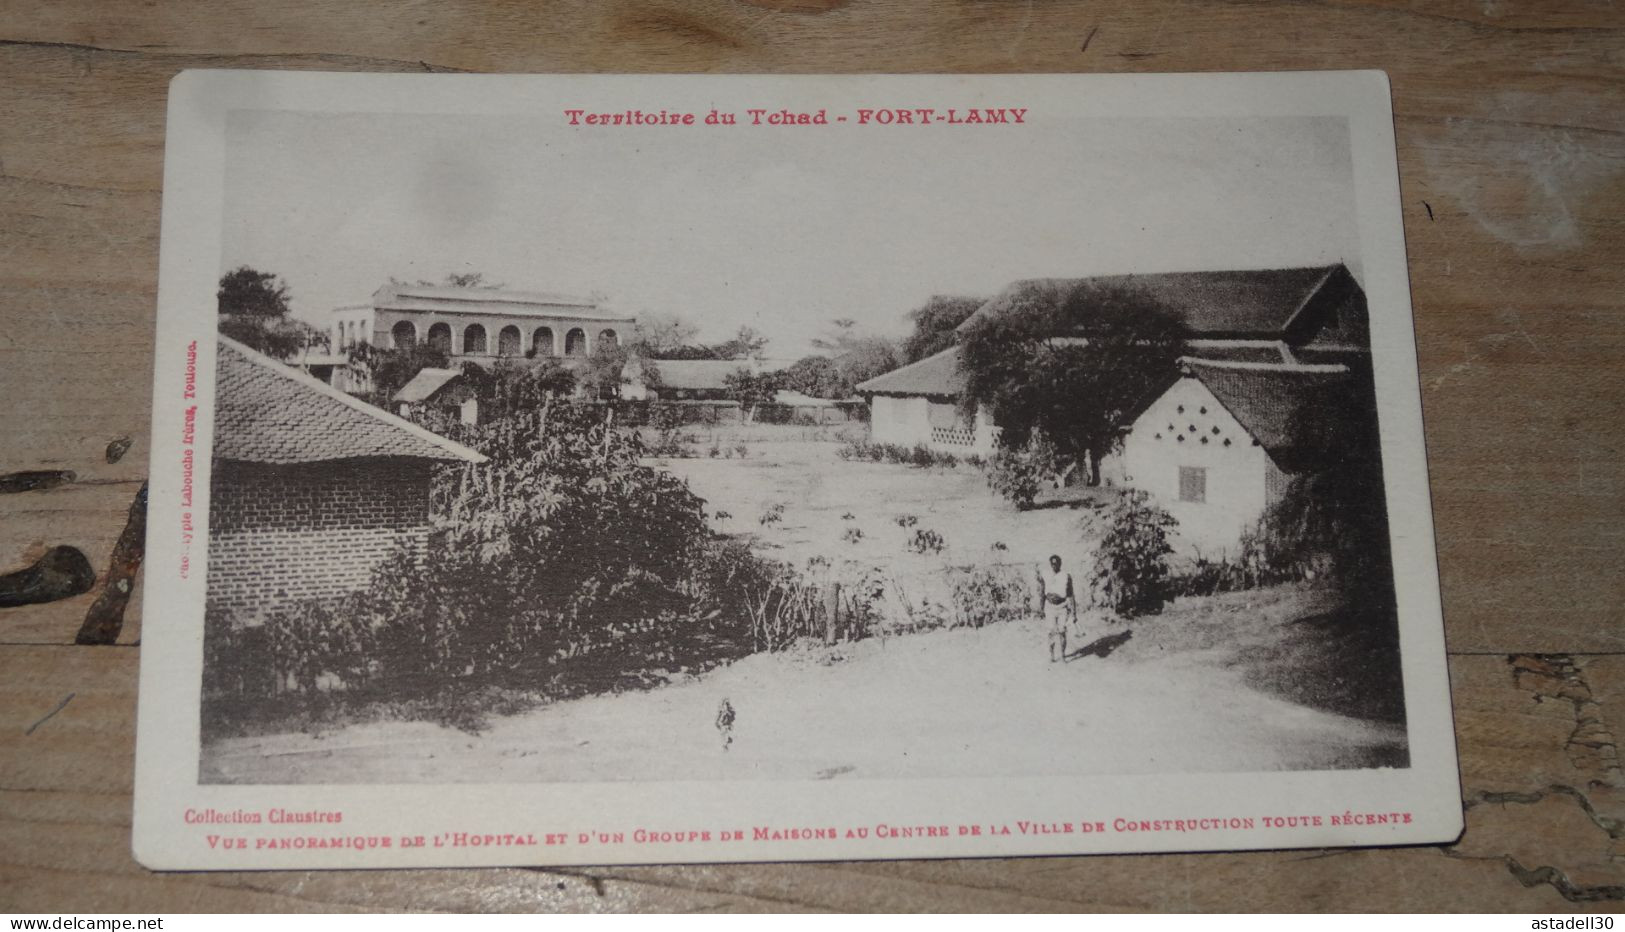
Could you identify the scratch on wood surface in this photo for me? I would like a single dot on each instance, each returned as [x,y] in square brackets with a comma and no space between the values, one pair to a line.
[36,480]
[105,620]
[1613,828]
[49,715]
[216,59]
[1088,39]
[1591,746]
[1574,893]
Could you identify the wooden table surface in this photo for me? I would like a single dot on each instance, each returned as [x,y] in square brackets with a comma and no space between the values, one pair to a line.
[1511,128]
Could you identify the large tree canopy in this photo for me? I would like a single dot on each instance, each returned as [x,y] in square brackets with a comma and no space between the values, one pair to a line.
[856,356]
[934,323]
[660,333]
[1076,370]
[252,293]
[253,308]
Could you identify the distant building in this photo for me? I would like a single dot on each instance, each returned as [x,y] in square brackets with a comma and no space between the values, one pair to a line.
[451,391]
[1284,316]
[311,489]
[696,379]
[918,404]
[480,325]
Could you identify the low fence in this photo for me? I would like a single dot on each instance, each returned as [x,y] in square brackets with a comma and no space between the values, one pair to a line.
[689,413]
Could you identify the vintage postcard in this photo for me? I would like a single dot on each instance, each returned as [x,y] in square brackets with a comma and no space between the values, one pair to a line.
[613,469]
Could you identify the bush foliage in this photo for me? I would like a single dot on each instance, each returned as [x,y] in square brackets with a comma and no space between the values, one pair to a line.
[562,546]
[1018,473]
[1131,573]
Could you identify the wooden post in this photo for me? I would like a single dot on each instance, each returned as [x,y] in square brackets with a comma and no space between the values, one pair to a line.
[832,611]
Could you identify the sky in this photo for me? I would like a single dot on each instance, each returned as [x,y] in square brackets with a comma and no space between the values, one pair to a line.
[782,229]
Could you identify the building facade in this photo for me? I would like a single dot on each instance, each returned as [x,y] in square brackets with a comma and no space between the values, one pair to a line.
[918,405]
[479,324]
[310,489]
[1223,444]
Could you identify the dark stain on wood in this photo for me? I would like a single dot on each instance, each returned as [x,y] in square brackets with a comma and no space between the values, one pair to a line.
[35,480]
[62,573]
[105,619]
[117,449]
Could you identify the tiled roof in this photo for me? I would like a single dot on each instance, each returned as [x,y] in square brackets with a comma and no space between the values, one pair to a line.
[267,412]
[1255,303]
[424,385]
[1291,410]
[933,375]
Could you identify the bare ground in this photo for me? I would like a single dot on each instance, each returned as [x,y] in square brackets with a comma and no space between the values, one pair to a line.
[960,702]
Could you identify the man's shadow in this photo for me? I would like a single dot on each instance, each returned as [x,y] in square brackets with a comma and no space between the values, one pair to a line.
[1101,647]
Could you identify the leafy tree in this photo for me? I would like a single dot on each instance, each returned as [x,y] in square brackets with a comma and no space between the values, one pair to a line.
[751,390]
[602,375]
[253,309]
[934,323]
[512,389]
[746,344]
[1076,370]
[1332,516]
[865,358]
[388,370]
[670,340]
[660,333]
[452,280]
[1018,473]
[252,293]
[817,376]
[857,356]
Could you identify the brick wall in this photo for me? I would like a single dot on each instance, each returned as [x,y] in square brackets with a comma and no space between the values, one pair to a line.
[283,533]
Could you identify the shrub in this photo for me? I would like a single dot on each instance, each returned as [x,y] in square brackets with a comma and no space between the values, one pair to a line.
[988,594]
[1018,473]
[853,535]
[919,455]
[926,540]
[561,545]
[1131,572]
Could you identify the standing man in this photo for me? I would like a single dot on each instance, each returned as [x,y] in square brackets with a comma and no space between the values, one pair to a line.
[1060,605]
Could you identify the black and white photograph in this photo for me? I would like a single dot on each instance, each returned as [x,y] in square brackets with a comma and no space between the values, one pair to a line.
[815,441]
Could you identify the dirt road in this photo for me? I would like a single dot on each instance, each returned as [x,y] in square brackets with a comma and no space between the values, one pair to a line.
[958,702]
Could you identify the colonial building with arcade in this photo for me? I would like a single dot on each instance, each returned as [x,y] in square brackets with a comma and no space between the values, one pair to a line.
[478,324]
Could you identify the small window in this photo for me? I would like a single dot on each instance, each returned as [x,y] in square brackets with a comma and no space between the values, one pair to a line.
[1192,484]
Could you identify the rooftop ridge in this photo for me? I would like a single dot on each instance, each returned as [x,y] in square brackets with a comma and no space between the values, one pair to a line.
[285,371]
